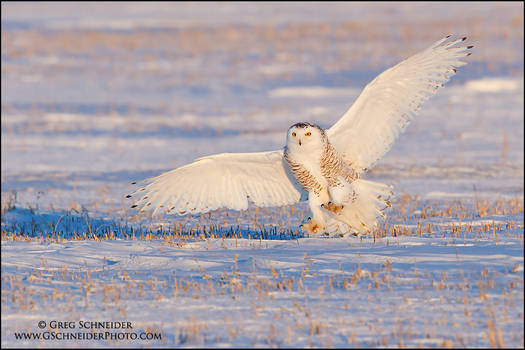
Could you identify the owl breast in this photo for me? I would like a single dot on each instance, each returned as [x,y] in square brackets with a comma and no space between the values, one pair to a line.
[315,172]
[307,170]
[334,168]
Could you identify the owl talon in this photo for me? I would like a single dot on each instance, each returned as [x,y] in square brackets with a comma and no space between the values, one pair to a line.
[302,225]
[312,227]
[330,206]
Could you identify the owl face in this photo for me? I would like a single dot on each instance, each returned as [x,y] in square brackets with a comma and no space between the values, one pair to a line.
[305,136]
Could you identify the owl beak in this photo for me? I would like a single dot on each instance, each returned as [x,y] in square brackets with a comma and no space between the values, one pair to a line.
[299,142]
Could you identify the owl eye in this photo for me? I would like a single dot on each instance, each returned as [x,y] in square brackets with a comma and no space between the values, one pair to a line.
[293,134]
[308,133]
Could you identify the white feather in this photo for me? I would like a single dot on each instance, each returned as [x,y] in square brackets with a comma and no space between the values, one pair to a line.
[221,180]
[388,103]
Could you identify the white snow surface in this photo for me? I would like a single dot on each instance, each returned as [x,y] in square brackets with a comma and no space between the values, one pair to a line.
[406,291]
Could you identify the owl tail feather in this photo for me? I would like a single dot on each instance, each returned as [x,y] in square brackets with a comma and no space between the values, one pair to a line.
[360,214]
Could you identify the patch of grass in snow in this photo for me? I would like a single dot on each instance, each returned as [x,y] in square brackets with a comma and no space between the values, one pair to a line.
[410,216]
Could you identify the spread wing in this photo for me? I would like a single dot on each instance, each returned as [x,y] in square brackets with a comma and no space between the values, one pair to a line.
[388,103]
[222,180]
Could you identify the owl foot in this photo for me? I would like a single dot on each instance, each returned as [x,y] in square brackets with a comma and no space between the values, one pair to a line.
[357,234]
[330,206]
[312,227]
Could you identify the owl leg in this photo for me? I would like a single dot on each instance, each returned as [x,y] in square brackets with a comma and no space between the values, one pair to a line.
[338,196]
[317,223]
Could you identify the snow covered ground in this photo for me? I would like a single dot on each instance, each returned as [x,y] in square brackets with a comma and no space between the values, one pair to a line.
[398,291]
[94,98]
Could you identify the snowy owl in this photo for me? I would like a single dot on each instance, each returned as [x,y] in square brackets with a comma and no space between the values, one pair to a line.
[324,167]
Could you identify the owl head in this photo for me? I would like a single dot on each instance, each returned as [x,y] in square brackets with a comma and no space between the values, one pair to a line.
[305,137]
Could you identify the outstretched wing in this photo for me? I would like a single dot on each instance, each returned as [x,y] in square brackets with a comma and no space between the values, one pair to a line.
[388,103]
[222,180]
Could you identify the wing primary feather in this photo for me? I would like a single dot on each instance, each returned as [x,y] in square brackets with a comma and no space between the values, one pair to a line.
[222,180]
[389,102]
